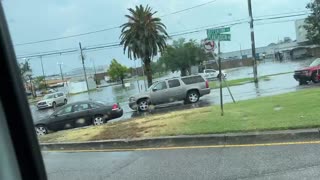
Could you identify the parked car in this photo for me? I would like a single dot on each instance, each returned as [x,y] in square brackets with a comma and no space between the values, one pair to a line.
[311,73]
[212,74]
[78,114]
[188,89]
[52,100]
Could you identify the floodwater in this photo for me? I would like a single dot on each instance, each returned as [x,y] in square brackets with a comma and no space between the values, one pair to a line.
[276,85]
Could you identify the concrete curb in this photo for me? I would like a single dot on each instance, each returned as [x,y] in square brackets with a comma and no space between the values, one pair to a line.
[199,140]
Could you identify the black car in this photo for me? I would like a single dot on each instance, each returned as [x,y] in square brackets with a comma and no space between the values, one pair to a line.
[78,114]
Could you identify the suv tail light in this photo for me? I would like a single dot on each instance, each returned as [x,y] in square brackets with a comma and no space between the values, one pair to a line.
[115,107]
[207,84]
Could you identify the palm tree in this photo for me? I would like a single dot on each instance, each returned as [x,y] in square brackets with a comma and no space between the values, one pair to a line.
[143,36]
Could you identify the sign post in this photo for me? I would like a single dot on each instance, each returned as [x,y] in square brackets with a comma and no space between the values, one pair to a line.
[216,34]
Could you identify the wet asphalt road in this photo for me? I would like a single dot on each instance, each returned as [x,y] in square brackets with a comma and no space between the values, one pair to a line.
[258,163]
[277,85]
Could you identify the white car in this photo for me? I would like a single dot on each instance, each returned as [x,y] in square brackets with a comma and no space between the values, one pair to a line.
[212,74]
[52,100]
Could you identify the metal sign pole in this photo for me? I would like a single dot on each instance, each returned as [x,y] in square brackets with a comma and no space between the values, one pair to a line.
[220,79]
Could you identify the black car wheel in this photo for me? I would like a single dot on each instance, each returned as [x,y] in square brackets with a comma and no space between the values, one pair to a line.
[314,77]
[98,120]
[193,96]
[302,82]
[41,130]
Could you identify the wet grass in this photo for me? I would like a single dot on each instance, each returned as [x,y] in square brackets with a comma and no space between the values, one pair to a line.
[287,111]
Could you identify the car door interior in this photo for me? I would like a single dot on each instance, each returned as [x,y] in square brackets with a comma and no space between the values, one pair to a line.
[17,129]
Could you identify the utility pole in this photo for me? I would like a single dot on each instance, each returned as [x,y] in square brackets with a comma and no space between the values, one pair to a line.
[44,76]
[95,71]
[253,46]
[61,73]
[220,79]
[84,69]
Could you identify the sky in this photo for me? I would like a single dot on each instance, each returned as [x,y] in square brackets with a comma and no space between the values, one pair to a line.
[35,20]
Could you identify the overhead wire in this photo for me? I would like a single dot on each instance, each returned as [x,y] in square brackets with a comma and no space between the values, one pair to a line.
[185,32]
[106,29]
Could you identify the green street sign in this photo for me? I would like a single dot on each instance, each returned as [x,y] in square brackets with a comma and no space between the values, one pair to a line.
[218,31]
[220,37]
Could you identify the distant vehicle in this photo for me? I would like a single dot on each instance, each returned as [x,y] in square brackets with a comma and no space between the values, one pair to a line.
[78,114]
[212,74]
[311,73]
[188,89]
[52,100]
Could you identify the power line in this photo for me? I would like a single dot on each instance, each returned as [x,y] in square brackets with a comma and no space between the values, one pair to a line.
[106,29]
[65,37]
[187,9]
[185,32]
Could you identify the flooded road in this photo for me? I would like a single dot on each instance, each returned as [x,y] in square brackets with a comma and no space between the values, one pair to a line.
[275,85]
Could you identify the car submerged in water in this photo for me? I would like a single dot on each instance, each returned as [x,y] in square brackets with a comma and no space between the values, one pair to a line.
[311,73]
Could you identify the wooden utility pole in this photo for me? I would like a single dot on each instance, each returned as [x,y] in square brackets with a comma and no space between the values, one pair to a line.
[253,46]
[44,76]
[84,69]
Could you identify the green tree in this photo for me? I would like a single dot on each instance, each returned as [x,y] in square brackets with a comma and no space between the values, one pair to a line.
[117,71]
[158,67]
[40,82]
[181,55]
[143,36]
[312,22]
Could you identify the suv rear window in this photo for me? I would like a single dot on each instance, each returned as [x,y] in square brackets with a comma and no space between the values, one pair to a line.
[192,79]
[174,83]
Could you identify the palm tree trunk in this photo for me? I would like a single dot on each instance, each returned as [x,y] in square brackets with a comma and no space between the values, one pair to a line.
[148,70]
[183,71]
[122,82]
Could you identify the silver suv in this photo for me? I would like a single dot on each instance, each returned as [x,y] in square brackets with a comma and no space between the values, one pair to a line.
[188,89]
[52,100]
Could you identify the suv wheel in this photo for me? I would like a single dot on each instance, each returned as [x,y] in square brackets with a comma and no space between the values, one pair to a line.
[41,130]
[193,96]
[314,77]
[143,105]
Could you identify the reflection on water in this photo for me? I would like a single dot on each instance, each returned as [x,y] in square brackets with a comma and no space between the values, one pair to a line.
[257,89]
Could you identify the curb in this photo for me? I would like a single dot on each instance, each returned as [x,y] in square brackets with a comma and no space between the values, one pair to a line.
[178,141]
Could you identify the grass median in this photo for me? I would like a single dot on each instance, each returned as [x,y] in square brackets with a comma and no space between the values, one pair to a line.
[287,111]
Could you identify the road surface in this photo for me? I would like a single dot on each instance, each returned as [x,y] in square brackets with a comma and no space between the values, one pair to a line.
[299,161]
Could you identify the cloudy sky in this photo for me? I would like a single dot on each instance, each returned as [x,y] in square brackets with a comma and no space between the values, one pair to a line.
[35,20]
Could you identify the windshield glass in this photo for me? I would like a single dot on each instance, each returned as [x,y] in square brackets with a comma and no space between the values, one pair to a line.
[315,62]
[48,96]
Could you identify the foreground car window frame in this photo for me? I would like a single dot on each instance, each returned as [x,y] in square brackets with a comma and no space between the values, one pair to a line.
[16,110]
